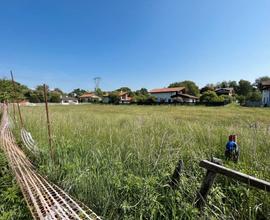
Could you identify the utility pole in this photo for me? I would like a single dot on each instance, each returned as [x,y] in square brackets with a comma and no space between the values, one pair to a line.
[97,82]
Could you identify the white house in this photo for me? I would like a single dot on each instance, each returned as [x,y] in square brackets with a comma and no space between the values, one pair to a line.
[176,94]
[266,93]
[124,98]
[69,100]
[165,94]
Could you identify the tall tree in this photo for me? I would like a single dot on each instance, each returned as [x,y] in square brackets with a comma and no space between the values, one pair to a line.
[114,97]
[59,91]
[77,92]
[254,96]
[40,92]
[233,84]
[223,84]
[99,92]
[124,89]
[142,91]
[33,96]
[208,87]
[210,96]
[190,86]
[244,87]
[258,82]
[55,97]
[7,90]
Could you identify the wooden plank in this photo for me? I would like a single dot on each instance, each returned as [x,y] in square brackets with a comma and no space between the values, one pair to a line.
[250,180]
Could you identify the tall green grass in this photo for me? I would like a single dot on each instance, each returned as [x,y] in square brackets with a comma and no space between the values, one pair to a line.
[12,205]
[118,159]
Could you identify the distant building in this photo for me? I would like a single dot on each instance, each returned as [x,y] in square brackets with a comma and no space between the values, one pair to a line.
[89,97]
[69,101]
[105,98]
[165,94]
[169,95]
[225,91]
[185,98]
[24,103]
[266,93]
[124,98]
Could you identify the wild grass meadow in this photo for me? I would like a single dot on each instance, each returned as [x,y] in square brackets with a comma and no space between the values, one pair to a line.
[118,160]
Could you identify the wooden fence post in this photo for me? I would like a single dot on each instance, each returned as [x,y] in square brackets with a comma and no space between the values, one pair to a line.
[48,122]
[176,174]
[207,183]
[19,110]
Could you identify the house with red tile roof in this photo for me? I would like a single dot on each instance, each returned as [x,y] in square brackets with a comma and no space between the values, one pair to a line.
[124,98]
[169,95]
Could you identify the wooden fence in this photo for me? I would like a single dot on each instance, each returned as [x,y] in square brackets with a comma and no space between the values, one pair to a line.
[215,167]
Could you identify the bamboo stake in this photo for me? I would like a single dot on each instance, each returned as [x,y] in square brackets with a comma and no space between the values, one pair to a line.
[18,106]
[48,121]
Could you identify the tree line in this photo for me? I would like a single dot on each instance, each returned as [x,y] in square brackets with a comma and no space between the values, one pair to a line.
[244,90]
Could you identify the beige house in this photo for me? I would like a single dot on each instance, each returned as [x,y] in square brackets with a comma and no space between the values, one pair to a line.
[89,97]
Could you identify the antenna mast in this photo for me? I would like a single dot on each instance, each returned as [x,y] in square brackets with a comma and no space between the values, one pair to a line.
[97,81]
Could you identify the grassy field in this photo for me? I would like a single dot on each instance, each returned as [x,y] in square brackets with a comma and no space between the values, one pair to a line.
[119,159]
[12,205]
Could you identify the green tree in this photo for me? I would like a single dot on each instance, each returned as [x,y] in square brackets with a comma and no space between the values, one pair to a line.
[142,91]
[258,82]
[233,84]
[141,96]
[76,92]
[244,87]
[208,87]
[190,87]
[254,96]
[124,89]
[7,90]
[40,92]
[55,97]
[223,84]
[211,96]
[32,96]
[227,98]
[114,97]
[241,99]
[99,92]
[59,91]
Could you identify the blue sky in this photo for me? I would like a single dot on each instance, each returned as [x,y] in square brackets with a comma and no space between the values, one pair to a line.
[135,43]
